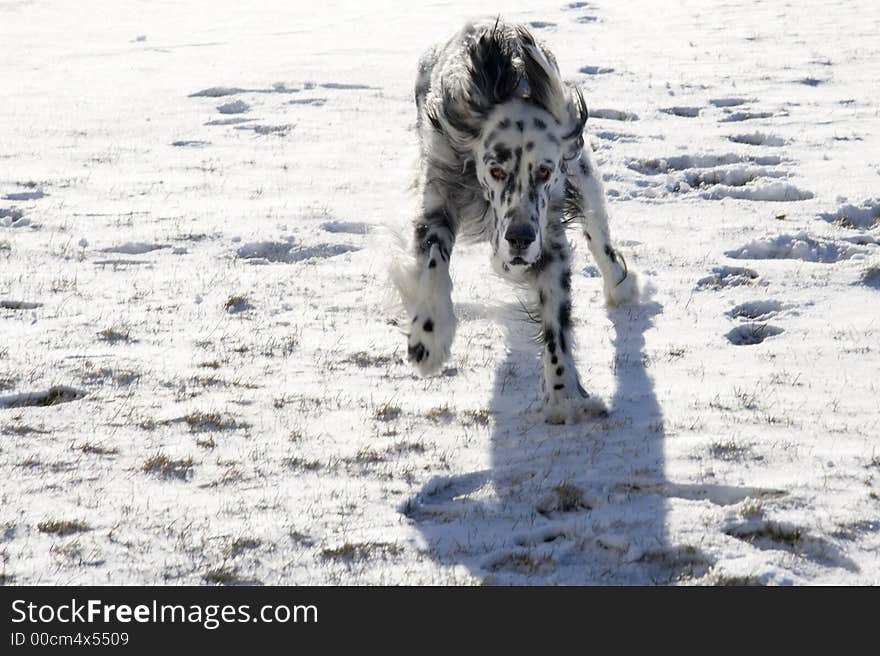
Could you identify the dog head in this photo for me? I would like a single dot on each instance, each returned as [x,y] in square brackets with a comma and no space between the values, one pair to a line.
[519,163]
[519,122]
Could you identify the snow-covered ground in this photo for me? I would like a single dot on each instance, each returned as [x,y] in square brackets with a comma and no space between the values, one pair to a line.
[198,383]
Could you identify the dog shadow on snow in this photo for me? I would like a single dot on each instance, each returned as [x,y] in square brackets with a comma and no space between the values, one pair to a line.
[582,504]
[574,504]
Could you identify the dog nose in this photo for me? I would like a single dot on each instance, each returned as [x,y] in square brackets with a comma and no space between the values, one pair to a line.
[519,236]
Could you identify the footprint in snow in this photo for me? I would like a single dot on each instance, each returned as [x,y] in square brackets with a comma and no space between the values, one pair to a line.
[752,333]
[613,114]
[278,130]
[728,102]
[611,135]
[8,304]
[771,535]
[345,86]
[723,176]
[288,252]
[133,248]
[346,227]
[871,278]
[12,218]
[234,107]
[757,139]
[859,217]
[775,191]
[217,92]
[727,276]
[652,166]
[314,102]
[119,263]
[52,396]
[684,112]
[738,117]
[230,121]
[795,247]
[26,195]
[595,70]
[756,310]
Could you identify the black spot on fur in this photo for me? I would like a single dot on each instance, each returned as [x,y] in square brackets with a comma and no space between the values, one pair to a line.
[564,318]
[559,370]
[432,264]
[565,280]
[552,138]
[502,153]
[544,260]
[541,297]
[428,326]
[554,359]
[538,123]
[530,145]
[520,126]
[418,352]
[610,253]
[559,386]
[504,124]
[509,185]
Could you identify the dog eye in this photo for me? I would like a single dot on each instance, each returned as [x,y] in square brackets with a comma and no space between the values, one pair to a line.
[498,173]
[543,174]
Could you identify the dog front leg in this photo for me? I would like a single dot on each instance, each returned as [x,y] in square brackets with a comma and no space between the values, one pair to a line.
[432,320]
[565,399]
[585,198]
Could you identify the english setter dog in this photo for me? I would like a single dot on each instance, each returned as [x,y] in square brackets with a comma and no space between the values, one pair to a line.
[503,159]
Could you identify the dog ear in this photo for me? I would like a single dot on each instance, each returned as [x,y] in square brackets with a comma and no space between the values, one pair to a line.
[545,87]
[494,78]
[578,112]
[548,91]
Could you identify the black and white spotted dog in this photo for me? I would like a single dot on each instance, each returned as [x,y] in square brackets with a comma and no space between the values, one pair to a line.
[503,159]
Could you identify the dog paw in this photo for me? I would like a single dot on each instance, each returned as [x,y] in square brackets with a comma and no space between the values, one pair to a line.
[430,340]
[623,292]
[569,409]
